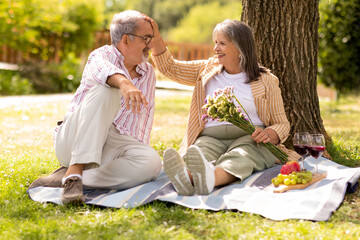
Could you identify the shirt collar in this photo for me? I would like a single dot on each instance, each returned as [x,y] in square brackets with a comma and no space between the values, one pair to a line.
[141,67]
[117,52]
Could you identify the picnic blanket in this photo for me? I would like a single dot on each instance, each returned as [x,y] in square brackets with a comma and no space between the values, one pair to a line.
[254,195]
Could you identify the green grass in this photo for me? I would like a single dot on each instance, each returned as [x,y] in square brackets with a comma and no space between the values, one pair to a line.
[26,153]
[341,120]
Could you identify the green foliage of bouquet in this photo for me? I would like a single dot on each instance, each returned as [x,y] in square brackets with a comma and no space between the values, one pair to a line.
[221,108]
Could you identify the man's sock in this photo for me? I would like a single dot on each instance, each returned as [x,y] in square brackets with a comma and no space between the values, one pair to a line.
[71,175]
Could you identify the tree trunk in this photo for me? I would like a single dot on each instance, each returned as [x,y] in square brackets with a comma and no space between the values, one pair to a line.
[286,32]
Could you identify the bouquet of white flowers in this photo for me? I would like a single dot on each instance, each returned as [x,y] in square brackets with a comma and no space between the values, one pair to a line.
[221,107]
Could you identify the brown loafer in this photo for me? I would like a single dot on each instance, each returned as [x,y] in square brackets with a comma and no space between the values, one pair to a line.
[73,191]
[52,180]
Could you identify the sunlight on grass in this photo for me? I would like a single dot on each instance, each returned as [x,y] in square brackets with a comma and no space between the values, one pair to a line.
[341,120]
[26,152]
[170,121]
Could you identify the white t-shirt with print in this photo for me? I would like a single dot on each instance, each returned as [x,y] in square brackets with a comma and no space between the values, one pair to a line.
[242,91]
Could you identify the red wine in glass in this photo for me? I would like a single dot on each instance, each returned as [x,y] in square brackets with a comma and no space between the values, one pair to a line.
[300,149]
[316,147]
[300,141]
[316,151]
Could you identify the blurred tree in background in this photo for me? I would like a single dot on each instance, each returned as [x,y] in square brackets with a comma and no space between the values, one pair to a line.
[197,27]
[44,30]
[165,12]
[38,27]
[339,45]
[112,7]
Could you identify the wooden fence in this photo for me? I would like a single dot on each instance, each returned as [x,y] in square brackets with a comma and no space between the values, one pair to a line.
[10,55]
[181,51]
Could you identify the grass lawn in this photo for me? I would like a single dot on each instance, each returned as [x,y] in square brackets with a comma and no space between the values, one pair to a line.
[26,153]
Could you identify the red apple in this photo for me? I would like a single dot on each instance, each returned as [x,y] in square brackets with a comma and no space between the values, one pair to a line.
[290,167]
[296,165]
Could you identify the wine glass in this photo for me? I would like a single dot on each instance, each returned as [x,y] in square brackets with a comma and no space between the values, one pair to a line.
[301,141]
[316,147]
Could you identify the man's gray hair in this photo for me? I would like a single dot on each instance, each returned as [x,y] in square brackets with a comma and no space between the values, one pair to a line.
[124,22]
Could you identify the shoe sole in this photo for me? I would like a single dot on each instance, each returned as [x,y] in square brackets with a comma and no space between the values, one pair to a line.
[197,169]
[172,164]
[73,200]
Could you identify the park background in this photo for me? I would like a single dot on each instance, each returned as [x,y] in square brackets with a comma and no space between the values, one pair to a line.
[43,49]
[49,41]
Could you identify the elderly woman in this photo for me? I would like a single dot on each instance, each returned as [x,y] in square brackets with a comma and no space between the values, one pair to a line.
[219,153]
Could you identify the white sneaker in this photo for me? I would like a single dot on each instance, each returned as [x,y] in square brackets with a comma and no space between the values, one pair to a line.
[174,167]
[203,172]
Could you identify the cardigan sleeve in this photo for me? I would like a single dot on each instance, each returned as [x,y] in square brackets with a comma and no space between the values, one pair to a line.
[278,120]
[183,72]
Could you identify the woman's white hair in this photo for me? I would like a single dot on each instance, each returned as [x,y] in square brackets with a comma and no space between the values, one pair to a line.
[243,39]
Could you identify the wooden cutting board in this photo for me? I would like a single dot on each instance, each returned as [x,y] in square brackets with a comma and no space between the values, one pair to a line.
[315,178]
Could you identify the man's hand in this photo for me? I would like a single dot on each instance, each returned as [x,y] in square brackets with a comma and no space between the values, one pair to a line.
[131,94]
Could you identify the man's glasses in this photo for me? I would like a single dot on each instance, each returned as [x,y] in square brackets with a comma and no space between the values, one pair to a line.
[147,39]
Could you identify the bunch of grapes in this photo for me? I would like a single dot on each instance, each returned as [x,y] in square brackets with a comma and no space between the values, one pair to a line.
[301,177]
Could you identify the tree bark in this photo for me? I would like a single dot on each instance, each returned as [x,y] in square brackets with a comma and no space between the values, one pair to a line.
[286,32]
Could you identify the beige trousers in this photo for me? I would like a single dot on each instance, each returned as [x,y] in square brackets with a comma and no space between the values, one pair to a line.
[112,160]
[233,150]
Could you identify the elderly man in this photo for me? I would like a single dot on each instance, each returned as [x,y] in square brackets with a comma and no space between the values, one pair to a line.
[103,139]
